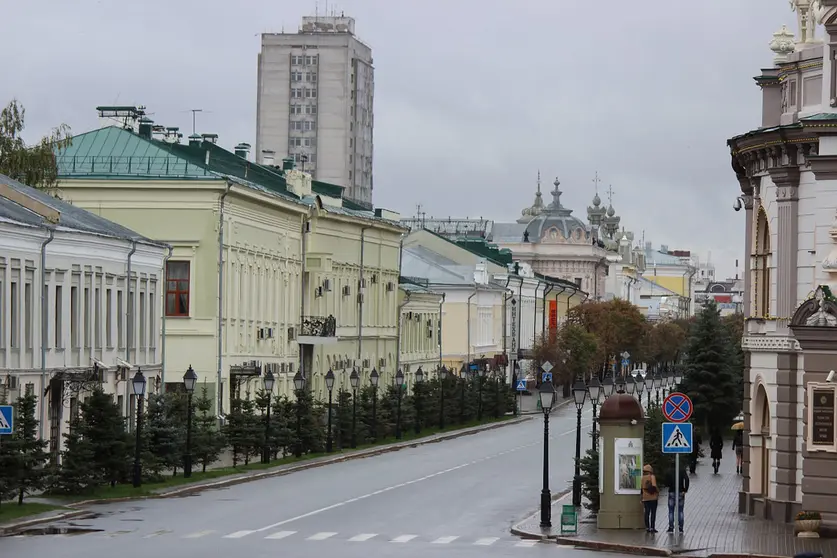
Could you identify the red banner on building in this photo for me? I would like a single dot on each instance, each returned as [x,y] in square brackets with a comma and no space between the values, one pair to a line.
[553,314]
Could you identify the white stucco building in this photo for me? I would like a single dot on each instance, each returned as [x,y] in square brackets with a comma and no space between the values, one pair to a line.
[69,316]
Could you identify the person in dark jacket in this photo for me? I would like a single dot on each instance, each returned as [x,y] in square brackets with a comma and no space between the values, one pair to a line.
[716,445]
[738,448]
[683,489]
[693,457]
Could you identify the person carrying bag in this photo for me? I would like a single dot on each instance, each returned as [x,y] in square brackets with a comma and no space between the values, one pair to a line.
[650,493]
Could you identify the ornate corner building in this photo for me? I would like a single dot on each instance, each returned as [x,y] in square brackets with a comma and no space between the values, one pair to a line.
[787,172]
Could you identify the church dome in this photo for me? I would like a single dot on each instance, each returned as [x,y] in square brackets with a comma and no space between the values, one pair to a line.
[556,223]
[610,211]
[597,201]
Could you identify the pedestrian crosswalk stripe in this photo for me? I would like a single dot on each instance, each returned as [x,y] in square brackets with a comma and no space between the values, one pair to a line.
[199,534]
[363,537]
[280,535]
[321,536]
[488,541]
[527,543]
[445,540]
[238,534]
[677,439]
[403,538]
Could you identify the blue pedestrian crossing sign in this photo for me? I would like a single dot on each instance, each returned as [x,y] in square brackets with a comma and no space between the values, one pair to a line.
[625,362]
[546,377]
[677,437]
[7,419]
[521,385]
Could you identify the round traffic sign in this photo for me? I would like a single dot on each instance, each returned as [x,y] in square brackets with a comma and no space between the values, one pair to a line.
[677,407]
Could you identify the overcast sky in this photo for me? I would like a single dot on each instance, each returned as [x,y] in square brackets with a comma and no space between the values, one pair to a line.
[472,97]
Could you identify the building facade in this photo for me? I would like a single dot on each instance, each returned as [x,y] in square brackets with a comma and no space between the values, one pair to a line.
[80,306]
[674,270]
[788,180]
[420,330]
[315,98]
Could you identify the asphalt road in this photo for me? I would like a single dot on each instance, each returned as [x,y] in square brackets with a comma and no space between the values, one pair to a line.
[453,498]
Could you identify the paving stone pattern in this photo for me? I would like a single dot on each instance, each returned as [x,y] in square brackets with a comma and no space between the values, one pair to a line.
[712,524]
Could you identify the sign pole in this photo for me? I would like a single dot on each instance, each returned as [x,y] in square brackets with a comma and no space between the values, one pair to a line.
[677,492]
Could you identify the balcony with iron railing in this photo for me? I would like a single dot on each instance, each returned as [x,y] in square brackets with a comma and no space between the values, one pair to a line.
[318,330]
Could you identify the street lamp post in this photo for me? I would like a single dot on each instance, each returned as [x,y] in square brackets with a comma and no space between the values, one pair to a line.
[373,379]
[658,384]
[269,380]
[189,381]
[299,385]
[443,375]
[579,395]
[546,396]
[639,385]
[594,388]
[138,383]
[649,384]
[329,381]
[480,376]
[399,383]
[417,395]
[354,380]
[619,385]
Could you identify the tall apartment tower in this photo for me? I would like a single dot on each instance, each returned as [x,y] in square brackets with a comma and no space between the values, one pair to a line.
[314,103]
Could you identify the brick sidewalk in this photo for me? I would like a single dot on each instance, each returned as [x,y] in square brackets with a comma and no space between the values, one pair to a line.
[712,525]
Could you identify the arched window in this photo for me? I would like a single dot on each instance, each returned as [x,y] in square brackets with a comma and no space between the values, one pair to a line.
[761,266]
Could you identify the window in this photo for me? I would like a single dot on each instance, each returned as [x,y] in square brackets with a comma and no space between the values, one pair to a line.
[578,281]
[307,126]
[310,93]
[15,314]
[86,317]
[109,317]
[97,318]
[28,313]
[120,339]
[296,93]
[59,310]
[296,76]
[310,60]
[311,76]
[142,321]
[295,142]
[761,267]
[74,317]
[152,319]
[308,142]
[295,109]
[297,60]
[177,288]
[310,109]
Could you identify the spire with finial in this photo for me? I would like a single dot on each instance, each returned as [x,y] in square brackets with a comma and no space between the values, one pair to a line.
[556,195]
[536,208]
[596,213]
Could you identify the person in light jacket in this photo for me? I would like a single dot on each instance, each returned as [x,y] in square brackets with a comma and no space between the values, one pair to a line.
[650,494]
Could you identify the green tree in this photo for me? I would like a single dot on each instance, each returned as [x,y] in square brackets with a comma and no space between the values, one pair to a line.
[77,473]
[343,419]
[708,378]
[735,331]
[34,165]
[207,441]
[652,447]
[163,436]
[281,422]
[244,429]
[312,426]
[28,451]
[589,467]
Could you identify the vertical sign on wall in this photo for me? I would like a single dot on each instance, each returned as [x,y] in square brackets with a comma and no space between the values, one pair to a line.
[553,314]
[513,330]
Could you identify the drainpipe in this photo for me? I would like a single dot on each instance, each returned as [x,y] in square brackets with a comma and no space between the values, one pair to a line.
[400,259]
[545,309]
[575,292]
[519,310]
[441,304]
[506,297]
[130,324]
[398,329]
[219,371]
[163,339]
[44,328]
[468,360]
[360,298]
[306,224]
[688,288]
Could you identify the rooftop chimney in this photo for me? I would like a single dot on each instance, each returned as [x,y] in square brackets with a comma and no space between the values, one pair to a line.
[268,157]
[242,150]
[213,138]
[195,140]
[172,135]
[145,126]
[287,164]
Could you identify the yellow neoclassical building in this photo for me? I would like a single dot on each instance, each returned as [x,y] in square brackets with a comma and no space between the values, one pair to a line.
[268,269]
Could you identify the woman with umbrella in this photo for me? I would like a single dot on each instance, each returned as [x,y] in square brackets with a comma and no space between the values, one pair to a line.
[738,445]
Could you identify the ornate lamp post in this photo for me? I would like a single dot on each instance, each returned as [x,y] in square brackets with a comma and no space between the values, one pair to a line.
[329,381]
[354,380]
[658,384]
[443,375]
[649,386]
[189,381]
[480,376]
[630,385]
[619,385]
[399,383]
[579,395]
[417,395]
[373,379]
[546,396]
[594,388]
[639,385]
[269,380]
[299,385]
[138,383]
[608,387]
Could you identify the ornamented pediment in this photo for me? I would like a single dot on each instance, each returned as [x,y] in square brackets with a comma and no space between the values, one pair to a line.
[818,311]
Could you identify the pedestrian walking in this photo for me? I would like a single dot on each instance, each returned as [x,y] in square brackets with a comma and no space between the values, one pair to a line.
[683,488]
[650,493]
[738,447]
[716,445]
[693,457]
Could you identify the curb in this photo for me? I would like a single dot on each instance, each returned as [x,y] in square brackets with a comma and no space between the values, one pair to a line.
[617,547]
[223,483]
[12,528]
[516,531]
[742,555]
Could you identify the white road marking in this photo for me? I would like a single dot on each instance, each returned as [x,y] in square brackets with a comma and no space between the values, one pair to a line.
[199,534]
[280,535]
[488,541]
[527,543]
[157,533]
[403,538]
[363,537]
[320,536]
[445,540]
[238,534]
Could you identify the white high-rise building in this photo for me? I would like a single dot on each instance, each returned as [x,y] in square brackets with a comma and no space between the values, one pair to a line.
[314,103]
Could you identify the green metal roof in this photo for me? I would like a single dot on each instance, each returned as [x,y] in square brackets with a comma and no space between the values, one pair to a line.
[478,246]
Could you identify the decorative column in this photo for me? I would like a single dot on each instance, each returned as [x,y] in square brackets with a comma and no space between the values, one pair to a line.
[786,180]
[747,199]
